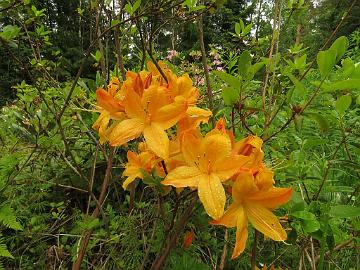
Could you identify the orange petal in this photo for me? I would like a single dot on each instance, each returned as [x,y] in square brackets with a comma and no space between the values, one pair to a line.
[168,115]
[132,104]
[264,179]
[272,198]
[125,131]
[264,221]
[214,148]
[244,186]
[153,99]
[108,102]
[183,176]
[227,167]
[212,195]
[188,238]
[241,233]
[190,146]
[101,125]
[131,179]
[230,217]
[157,140]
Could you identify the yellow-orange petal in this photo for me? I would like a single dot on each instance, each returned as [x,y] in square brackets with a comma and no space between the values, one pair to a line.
[190,146]
[157,140]
[183,176]
[131,179]
[108,102]
[244,186]
[212,195]
[168,115]
[241,233]
[132,103]
[227,167]
[264,179]
[101,125]
[125,131]
[229,219]
[265,221]
[272,198]
[214,148]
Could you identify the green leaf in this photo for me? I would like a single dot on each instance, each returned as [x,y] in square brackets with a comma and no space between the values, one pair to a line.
[97,56]
[231,80]
[136,6]
[253,69]
[4,251]
[340,45]
[342,85]
[9,32]
[244,63]
[344,211]
[237,29]
[114,22]
[326,60]
[342,104]
[8,218]
[230,96]
[310,226]
[299,87]
[321,120]
[247,29]
[305,215]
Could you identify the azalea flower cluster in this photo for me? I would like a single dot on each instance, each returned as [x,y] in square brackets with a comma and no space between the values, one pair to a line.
[213,164]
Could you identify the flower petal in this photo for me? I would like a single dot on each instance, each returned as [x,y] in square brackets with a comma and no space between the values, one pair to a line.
[183,176]
[190,142]
[157,140]
[101,125]
[125,131]
[168,115]
[244,186]
[132,104]
[229,219]
[265,221]
[241,233]
[108,102]
[214,147]
[227,167]
[131,179]
[212,195]
[264,179]
[272,198]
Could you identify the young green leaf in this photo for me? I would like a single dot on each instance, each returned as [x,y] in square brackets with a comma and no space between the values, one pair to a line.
[326,61]
[342,104]
[342,85]
[321,121]
[340,45]
[231,80]
[230,96]
[9,32]
[244,63]
[344,211]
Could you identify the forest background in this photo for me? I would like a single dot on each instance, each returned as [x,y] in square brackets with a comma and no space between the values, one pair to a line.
[286,71]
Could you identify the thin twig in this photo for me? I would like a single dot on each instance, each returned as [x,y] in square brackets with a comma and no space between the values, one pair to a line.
[254,249]
[209,92]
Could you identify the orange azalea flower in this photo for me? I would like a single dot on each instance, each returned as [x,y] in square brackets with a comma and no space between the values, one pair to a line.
[254,203]
[136,163]
[150,114]
[209,162]
[110,107]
